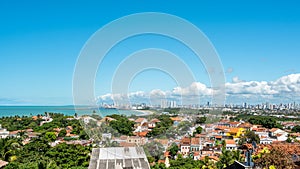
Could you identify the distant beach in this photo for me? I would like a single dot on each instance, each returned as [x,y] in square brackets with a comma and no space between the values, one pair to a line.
[145,112]
[66,110]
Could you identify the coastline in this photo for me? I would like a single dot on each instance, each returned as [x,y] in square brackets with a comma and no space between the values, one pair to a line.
[144,112]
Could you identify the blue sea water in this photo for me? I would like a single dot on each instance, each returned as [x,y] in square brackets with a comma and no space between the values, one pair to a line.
[67,110]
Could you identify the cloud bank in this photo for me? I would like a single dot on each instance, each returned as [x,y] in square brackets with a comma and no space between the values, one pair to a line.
[284,89]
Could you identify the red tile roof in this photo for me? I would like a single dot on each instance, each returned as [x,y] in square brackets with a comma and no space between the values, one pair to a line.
[155,120]
[142,134]
[185,140]
[195,141]
[230,142]
[139,120]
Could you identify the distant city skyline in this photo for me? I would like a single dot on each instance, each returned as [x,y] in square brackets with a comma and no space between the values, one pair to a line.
[257,42]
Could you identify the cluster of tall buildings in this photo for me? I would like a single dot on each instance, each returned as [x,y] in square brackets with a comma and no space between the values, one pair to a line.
[266,106]
[168,104]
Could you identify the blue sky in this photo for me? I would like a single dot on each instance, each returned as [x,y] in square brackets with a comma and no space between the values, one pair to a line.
[40,42]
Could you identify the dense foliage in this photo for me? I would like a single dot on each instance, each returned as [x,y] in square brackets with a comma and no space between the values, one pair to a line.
[296,129]
[276,158]
[40,155]
[249,137]
[161,127]
[172,110]
[121,124]
[265,121]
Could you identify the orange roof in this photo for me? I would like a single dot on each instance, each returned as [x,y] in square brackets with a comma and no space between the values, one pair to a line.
[290,148]
[14,132]
[221,127]
[69,128]
[261,129]
[142,134]
[176,118]
[139,120]
[145,124]
[34,117]
[214,158]
[245,125]
[185,140]
[195,141]
[234,123]
[167,153]
[161,161]
[196,153]
[200,135]
[230,142]
[233,130]
[220,137]
[155,120]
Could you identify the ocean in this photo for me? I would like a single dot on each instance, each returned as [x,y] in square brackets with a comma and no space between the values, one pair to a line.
[67,110]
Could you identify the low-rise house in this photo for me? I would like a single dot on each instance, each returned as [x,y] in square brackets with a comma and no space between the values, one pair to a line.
[230,145]
[212,158]
[219,138]
[185,146]
[87,119]
[208,143]
[141,133]
[281,137]
[266,140]
[295,135]
[176,120]
[289,125]
[197,155]
[276,131]
[139,122]
[209,128]
[195,144]
[137,140]
[164,142]
[3,132]
[119,140]
[144,126]
[13,133]
[235,132]
[153,123]
[262,132]
[32,135]
[246,126]
[234,124]
[207,151]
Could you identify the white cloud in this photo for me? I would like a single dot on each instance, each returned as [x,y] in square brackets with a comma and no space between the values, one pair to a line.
[284,88]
